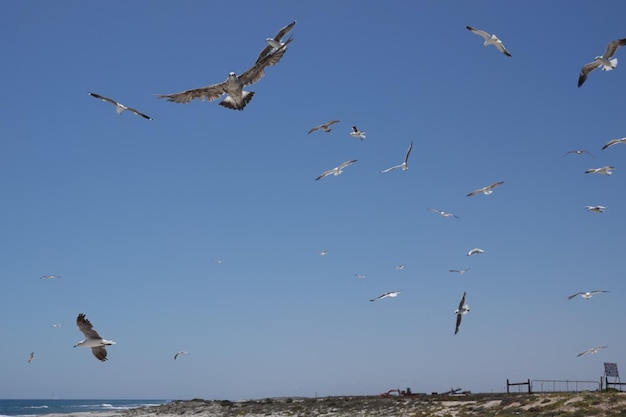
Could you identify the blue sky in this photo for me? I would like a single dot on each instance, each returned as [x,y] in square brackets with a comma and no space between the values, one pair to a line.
[132,213]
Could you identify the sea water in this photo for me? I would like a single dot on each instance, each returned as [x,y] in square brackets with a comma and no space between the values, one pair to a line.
[56,406]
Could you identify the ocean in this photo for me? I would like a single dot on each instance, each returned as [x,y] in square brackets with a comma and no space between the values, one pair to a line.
[55,406]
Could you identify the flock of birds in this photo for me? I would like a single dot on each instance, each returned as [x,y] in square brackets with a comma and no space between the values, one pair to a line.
[236,98]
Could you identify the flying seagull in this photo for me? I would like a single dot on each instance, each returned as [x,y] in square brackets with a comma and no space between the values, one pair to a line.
[385,295]
[587,294]
[577,152]
[592,350]
[92,338]
[462,310]
[475,251]
[613,142]
[596,209]
[180,352]
[31,357]
[490,40]
[459,271]
[236,96]
[603,61]
[323,252]
[360,276]
[356,133]
[219,261]
[49,276]
[404,165]
[486,190]
[276,42]
[400,267]
[335,171]
[325,127]
[119,107]
[606,170]
[442,213]
[57,325]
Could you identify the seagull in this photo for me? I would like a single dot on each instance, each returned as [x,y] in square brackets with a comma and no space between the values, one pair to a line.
[387,294]
[596,209]
[606,170]
[474,251]
[400,267]
[92,339]
[603,61]
[356,133]
[490,40]
[360,276]
[180,352]
[404,165]
[442,213]
[578,152]
[31,357]
[459,271]
[325,127]
[586,295]
[592,350]
[119,107]
[486,190]
[276,42]
[323,252]
[236,96]
[219,261]
[613,142]
[335,171]
[49,276]
[463,309]
[57,325]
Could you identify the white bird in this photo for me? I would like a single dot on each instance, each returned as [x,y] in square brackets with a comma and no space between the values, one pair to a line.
[490,40]
[57,325]
[443,213]
[387,294]
[459,271]
[119,107]
[486,190]
[49,276]
[404,165]
[614,142]
[462,310]
[219,261]
[606,170]
[356,133]
[596,209]
[180,352]
[31,357]
[603,61]
[400,267]
[236,96]
[276,42]
[592,350]
[325,127]
[335,171]
[587,294]
[360,276]
[92,339]
[323,252]
[578,152]
[475,251]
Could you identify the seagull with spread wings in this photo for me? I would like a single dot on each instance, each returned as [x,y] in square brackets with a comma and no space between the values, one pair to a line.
[475,251]
[459,271]
[92,338]
[180,352]
[577,152]
[119,107]
[236,96]
[592,350]
[443,213]
[405,164]
[325,127]
[486,190]
[606,170]
[31,357]
[356,133]
[595,209]
[490,40]
[460,312]
[586,294]
[335,171]
[276,42]
[603,61]
[386,295]
[614,142]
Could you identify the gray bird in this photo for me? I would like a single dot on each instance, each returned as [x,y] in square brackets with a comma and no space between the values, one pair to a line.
[603,61]
[276,42]
[460,312]
[325,127]
[92,338]
[119,107]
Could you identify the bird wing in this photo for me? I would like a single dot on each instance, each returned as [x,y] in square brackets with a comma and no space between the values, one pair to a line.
[495,184]
[210,93]
[379,297]
[100,353]
[597,291]
[478,191]
[138,113]
[345,164]
[462,303]
[502,49]
[86,328]
[612,47]
[391,169]
[108,100]
[313,129]
[585,70]
[408,152]
[574,295]
[257,71]
[459,317]
[478,32]
[278,38]
[582,353]
[324,174]
[332,122]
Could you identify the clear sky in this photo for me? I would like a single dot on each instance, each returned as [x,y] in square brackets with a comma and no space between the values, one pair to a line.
[133,213]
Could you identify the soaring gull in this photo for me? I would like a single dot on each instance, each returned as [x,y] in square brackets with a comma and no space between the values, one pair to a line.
[387,294]
[486,190]
[613,142]
[443,213]
[360,276]
[606,170]
[603,61]
[92,338]
[49,276]
[462,310]
[490,40]
[586,294]
[57,325]
[323,252]
[236,96]
[335,171]
[180,352]
[405,164]
[119,107]
[459,271]
[577,152]
[276,42]
[400,267]
[596,209]
[31,357]
[356,133]
[475,251]
[325,127]
[592,350]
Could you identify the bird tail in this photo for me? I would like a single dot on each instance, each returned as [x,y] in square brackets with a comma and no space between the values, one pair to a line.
[613,65]
[231,103]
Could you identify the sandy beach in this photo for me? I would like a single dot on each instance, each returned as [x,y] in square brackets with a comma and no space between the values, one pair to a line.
[581,404]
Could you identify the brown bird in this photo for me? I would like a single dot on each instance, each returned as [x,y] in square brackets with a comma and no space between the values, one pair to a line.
[325,127]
